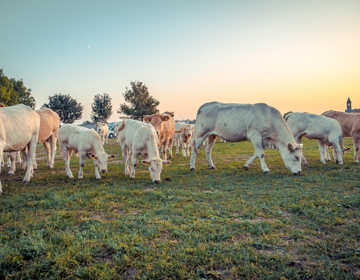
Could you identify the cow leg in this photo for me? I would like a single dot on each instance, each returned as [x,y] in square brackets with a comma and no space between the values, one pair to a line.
[327,154]
[250,161]
[48,153]
[53,139]
[96,166]
[303,159]
[82,157]
[125,152]
[66,155]
[24,155]
[337,152]
[188,148]
[356,149]
[259,151]
[12,159]
[30,157]
[322,152]
[183,151]
[8,162]
[170,145]
[195,146]
[208,148]
[134,162]
[19,157]
[177,146]
[164,145]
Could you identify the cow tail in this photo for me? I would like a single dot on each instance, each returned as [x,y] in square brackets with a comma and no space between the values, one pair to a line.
[122,126]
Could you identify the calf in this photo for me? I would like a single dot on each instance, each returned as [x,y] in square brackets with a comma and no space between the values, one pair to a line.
[350,126]
[19,128]
[185,134]
[164,125]
[140,138]
[103,130]
[326,130]
[259,123]
[177,136]
[86,143]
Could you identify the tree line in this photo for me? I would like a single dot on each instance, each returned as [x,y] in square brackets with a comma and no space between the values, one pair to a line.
[138,101]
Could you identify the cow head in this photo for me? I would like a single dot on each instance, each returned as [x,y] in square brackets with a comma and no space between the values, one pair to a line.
[187,131]
[344,150]
[155,167]
[291,155]
[102,160]
[157,120]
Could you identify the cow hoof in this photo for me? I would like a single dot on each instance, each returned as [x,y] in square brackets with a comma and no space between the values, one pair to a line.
[246,167]
[305,164]
[132,178]
[356,162]
[337,162]
[213,168]
[10,174]
[266,172]
[192,169]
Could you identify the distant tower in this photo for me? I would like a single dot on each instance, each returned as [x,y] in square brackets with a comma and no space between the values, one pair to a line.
[348,105]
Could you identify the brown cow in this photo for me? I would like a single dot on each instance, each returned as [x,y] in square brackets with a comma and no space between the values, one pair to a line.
[164,125]
[49,126]
[350,126]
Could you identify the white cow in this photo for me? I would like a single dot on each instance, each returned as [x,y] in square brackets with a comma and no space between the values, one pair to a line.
[86,143]
[140,138]
[19,127]
[185,134]
[326,130]
[177,136]
[259,123]
[103,130]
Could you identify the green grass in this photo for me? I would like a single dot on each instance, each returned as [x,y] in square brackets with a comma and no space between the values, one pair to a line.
[222,224]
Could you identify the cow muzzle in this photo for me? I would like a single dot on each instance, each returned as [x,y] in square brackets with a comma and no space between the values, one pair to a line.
[297,173]
[103,170]
[156,181]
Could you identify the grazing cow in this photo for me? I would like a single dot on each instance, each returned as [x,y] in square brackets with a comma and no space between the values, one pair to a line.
[86,143]
[19,127]
[164,125]
[140,138]
[350,126]
[326,130]
[185,133]
[259,123]
[103,130]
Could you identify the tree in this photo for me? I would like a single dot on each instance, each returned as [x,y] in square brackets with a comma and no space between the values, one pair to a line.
[68,109]
[141,103]
[8,95]
[23,94]
[101,108]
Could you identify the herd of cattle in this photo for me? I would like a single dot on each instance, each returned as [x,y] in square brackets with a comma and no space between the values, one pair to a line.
[22,129]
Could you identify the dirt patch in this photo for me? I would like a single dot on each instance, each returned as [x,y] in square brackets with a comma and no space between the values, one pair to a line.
[124,213]
[149,189]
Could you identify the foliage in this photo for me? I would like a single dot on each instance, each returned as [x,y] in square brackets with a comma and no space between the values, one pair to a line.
[23,94]
[101,108]
[68,109]
[209,224]
[140,102]
[13,92]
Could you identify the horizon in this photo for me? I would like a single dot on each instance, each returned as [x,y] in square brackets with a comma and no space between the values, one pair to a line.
[293,56]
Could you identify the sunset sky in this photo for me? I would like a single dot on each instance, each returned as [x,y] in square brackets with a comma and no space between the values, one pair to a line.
[293,55]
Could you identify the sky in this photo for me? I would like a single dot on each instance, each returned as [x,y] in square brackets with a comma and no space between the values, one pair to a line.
[301,56]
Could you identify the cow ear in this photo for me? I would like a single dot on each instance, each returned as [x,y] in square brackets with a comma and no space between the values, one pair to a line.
[193,127]
[165,118]
[290,147]
[299,147]
[145,162]
[166,162]
[147,119]
[111,158]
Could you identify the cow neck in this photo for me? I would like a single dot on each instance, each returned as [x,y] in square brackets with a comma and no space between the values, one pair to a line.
[285,136]
[153,150]
[97,147]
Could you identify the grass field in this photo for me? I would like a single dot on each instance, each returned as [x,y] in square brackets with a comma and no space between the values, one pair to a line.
[222,224]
